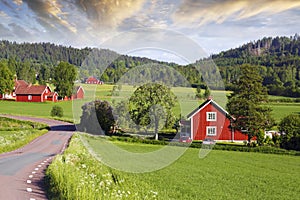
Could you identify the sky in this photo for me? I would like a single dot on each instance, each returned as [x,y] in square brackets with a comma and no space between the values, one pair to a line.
[160,29]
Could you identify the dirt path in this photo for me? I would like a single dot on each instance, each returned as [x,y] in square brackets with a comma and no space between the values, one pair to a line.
[22,171]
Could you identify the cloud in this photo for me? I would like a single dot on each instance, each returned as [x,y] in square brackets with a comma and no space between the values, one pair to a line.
[18,2]
[50,12]
[109,14]
[4,32]
[203,12]
[19,31]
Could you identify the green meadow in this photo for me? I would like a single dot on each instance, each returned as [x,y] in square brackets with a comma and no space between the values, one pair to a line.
[220,175]
[185,96]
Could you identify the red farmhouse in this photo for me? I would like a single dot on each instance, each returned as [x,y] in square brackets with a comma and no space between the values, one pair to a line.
[93,80]
[210,120]
[34,93]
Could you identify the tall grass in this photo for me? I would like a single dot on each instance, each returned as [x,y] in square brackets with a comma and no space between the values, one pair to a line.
[221,175]
[15,133]
[78,175]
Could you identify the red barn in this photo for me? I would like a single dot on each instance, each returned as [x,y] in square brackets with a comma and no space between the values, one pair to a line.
[210,120]
[12,95]
[32,93]
[52,96]
[93,80]
[78,93]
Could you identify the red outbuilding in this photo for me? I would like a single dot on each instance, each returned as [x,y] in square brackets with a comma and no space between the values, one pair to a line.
[34,93]
[210,120]
[93,80]
[52,96]
[78,93]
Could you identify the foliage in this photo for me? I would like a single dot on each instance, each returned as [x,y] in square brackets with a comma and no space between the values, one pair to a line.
[290,126]
[64,77]
[6,79]
[151,105]
[97,118]
[57,111]
[206,93]
[245,104]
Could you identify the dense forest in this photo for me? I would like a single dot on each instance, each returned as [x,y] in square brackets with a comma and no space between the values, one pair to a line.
[278,59]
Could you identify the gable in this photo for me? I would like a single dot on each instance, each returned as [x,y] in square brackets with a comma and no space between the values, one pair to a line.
[204,105]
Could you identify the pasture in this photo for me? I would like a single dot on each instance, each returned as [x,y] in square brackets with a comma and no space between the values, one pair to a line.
[220,175]
[185,96]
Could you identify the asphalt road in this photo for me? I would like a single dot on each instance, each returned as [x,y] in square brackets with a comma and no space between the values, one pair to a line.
[22,171]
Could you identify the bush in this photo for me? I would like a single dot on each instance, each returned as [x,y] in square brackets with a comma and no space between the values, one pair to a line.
[57,111]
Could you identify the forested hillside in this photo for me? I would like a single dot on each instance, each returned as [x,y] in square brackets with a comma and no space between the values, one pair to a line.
[278,58]
[35,61]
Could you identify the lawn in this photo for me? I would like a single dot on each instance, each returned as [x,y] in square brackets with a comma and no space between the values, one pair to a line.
[35,109]
[220,175]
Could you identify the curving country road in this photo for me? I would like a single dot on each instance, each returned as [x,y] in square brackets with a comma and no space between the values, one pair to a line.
[22,171]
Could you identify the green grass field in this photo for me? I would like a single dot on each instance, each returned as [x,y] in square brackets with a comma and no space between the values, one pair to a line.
[15,134]
[220,175]
[185,96]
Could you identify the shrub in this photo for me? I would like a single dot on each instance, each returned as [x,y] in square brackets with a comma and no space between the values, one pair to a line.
[57,111]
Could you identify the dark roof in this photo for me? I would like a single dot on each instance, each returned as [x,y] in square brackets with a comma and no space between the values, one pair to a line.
[205,103]
[31,89]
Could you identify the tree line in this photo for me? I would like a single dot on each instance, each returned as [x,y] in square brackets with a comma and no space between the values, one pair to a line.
[278,61]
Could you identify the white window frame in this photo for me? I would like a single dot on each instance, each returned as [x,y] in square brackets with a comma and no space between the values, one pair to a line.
[209,118]
[29,97]
[211,130]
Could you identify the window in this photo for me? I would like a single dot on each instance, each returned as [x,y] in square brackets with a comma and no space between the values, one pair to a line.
[211,116]
[29,97]
[211,131]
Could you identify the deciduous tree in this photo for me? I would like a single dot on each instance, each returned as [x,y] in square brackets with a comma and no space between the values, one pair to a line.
[151,105]
[290,126]
[6,79]
[64,77]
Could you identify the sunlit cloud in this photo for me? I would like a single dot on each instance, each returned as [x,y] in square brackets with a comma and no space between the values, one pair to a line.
[109,14]
[18,2]
[203,12]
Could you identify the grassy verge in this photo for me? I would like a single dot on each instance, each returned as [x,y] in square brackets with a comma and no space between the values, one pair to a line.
[15,133]
[77,175]
[220,175]
[12,140]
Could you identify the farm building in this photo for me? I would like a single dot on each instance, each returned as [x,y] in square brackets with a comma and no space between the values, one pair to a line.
[78,93]
[93,80]
[34,93]
[210,120]
[12,95]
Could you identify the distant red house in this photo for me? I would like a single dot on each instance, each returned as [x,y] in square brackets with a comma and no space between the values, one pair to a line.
[78,93]
[34,93]
[12,95]
[93,80]
[210,120]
